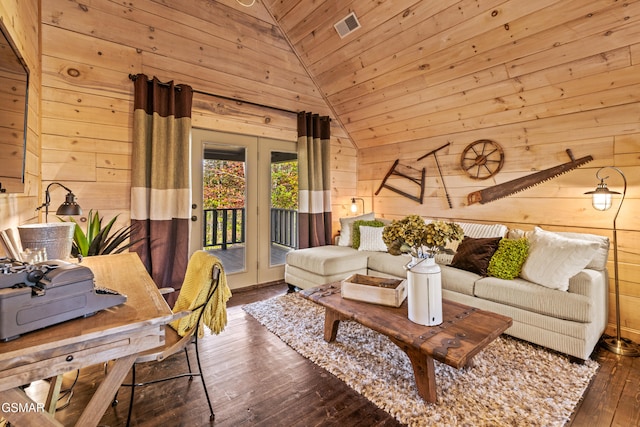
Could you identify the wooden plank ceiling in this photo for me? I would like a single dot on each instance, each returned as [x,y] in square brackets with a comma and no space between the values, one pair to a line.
[418,69]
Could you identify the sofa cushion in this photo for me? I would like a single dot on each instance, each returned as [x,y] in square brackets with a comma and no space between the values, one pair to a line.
[554,259]
[539,299]
[507,261]
[371,239]
[456,280]
[599,261]
[474,254]
[472,229]
[355,231]
[389,264]
[346,227]
[328,260]
[306,279]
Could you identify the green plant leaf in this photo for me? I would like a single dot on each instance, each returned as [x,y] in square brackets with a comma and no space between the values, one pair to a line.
[80,241]
[93,226]
[99,240]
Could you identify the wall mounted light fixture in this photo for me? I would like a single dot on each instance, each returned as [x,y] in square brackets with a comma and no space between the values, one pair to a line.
[601,200]
[354,206]
[69,207]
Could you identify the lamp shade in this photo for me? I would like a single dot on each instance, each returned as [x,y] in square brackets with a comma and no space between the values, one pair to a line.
[601,196]
[70,206]
[354,205]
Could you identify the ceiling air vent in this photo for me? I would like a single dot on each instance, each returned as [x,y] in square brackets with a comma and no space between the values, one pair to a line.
[347,25]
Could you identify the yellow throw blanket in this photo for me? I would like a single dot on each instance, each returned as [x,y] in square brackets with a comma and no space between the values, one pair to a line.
[196,285]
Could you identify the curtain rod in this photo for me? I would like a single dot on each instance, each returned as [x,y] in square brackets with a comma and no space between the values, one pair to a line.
[133,77]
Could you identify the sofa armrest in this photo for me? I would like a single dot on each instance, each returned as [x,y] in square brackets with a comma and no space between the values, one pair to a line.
[590,283]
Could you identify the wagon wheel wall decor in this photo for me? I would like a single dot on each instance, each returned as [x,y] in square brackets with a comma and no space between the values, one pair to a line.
[482,159]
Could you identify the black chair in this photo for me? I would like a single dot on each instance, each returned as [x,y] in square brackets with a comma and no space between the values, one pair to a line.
[175,343]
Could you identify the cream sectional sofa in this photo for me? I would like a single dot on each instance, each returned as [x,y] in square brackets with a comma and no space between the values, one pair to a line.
[569,321]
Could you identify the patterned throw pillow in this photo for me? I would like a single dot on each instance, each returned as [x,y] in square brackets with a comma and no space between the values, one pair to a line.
[474,254]
[346,227]
[371,239]
[507,262]
[355,235]
[554,259]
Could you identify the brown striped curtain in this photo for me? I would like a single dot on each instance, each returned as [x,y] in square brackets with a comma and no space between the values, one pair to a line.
[160,178]
[314,201]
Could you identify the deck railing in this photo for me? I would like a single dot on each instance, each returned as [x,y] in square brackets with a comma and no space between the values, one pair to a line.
[223,227]
[284,227]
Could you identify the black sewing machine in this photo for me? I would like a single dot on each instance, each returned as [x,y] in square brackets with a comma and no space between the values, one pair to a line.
[43,294]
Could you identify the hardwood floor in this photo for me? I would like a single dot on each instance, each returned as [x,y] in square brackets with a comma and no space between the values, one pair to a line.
[255,379]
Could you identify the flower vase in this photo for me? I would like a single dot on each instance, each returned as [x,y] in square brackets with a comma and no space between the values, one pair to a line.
[424,292]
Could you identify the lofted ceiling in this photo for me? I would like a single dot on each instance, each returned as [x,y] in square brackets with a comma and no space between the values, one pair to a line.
[414,70]
[419,69]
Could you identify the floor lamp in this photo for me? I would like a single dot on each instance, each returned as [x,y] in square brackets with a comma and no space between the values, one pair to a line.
[601,200]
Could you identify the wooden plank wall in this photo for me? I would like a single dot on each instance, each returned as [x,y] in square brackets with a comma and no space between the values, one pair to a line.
[90,49]
[18,17]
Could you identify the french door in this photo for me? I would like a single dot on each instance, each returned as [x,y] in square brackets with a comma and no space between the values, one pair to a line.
[243,210]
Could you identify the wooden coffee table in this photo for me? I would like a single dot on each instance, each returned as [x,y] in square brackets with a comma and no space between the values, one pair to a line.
[464,332]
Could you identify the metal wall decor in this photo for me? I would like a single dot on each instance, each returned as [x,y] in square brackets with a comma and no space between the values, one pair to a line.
[413,175]
[482,159]
[499,191]
[433,153]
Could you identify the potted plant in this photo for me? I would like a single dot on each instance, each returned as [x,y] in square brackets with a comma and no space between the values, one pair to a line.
[414,236]
[99,239]
[423,241]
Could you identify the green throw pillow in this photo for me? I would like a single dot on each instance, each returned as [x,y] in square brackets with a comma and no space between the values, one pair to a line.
[507,262]
[355,235]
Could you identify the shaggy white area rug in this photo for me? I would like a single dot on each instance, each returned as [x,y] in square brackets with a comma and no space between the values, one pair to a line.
[512,383]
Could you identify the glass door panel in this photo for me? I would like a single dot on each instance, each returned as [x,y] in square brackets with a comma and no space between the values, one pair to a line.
[224,196]
[224,202]
[244,203]
[284,206]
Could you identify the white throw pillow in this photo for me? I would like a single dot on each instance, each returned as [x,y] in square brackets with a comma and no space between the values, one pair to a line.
[554,259]
[371,239]
[346,225]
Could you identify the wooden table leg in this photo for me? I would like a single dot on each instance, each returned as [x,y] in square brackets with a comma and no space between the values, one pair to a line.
[55,383]
[103,396]
[424,373]
[331,322]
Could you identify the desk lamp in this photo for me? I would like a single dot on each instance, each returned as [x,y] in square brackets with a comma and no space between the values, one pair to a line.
[69,207]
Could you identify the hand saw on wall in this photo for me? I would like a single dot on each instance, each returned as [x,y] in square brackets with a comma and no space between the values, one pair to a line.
[414,176]
[519,184]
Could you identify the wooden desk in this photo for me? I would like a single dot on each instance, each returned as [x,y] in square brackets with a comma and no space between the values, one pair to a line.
[119,333]
[464,332]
